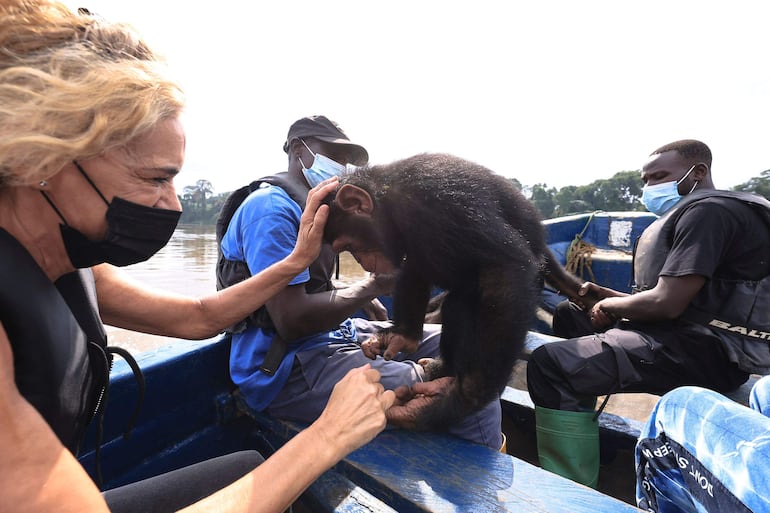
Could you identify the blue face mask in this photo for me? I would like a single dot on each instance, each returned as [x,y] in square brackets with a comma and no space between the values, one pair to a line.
[659,198]
[322,168]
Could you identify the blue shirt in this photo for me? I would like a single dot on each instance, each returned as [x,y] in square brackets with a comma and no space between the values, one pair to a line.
[263,231]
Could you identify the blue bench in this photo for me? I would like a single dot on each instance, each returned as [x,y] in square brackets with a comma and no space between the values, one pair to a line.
[426,472]
[191,412]
[189,415]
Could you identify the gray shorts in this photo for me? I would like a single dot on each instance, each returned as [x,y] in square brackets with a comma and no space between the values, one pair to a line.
[315,373]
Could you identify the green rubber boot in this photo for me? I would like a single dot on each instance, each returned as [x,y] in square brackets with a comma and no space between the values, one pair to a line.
[568,444]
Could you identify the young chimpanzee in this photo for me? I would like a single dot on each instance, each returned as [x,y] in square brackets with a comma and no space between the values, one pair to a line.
[447,222]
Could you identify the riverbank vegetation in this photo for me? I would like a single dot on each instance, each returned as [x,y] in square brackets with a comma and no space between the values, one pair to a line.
[621,192]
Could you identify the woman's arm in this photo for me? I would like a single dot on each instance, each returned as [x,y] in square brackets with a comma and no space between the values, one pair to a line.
[128,304]
[354,415]
[37,474]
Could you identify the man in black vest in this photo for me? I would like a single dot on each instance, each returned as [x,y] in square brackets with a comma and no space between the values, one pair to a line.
[698,270]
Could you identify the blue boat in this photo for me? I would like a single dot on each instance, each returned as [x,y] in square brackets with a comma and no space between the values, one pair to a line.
[192,411]
[597,247]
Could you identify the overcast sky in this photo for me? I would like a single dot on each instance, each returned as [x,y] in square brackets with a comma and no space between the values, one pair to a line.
[556,92]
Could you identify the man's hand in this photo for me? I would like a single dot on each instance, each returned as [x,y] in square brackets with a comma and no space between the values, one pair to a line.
[385,282]
[388,344]
[601,319]
[412,402]
[590,293]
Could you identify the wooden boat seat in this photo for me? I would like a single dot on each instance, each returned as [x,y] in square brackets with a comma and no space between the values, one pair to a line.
[426,472]
[192,412]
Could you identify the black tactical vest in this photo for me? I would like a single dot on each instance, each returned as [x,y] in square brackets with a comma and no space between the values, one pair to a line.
[230,272]
[737,311]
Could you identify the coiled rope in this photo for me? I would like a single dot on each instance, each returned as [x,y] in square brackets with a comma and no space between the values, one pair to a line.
[579,254]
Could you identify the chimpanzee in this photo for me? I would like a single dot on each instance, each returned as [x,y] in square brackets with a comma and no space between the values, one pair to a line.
[447,222]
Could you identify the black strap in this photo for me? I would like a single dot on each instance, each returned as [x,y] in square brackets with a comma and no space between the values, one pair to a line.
[274,355]
[625,371]
[109,350]
[79,298]
[230,272]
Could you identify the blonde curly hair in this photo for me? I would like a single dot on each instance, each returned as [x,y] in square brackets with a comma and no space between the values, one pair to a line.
[73,86]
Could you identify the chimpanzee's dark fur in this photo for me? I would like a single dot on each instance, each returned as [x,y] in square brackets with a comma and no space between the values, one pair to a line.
[451,223]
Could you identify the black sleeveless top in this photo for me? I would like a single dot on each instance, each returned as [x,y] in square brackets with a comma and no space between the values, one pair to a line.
[60,367]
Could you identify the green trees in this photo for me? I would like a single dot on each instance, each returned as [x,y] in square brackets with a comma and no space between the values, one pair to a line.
[758,185]
[196,204]
[620,192]
[543,198]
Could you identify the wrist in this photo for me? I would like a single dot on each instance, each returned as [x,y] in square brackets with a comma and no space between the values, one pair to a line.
[365,289]
[327,441]
[295,263]
[610,308]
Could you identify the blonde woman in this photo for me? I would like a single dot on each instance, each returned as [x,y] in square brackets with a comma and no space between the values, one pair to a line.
[90,143]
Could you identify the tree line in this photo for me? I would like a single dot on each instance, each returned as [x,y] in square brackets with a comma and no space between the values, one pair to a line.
[621,192]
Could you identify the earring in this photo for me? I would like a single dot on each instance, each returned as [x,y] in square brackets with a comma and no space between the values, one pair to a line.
[43,183]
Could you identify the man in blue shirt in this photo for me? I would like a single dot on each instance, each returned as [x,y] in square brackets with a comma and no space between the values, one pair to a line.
[290,354]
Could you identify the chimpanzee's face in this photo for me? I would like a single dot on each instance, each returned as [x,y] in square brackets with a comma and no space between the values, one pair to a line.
[372,260]
[352,229]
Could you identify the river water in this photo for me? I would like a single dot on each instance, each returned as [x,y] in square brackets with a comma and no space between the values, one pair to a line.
[186,266]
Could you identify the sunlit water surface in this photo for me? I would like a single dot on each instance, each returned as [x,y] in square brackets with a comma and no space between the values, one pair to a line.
[186,266]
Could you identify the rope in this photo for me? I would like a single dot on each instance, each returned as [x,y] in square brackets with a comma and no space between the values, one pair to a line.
[579,254]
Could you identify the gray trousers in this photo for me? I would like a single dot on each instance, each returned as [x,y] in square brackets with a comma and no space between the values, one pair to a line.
[315,373]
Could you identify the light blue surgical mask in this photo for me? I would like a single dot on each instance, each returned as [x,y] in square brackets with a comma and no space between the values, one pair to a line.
[322,168]
[661,197]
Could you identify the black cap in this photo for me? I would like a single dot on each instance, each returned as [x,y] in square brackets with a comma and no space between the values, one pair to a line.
[326,130]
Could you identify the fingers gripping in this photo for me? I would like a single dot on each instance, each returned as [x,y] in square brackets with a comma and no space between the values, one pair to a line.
[388,344]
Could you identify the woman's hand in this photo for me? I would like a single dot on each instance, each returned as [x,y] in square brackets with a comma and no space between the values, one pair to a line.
[356,410]
[312,223]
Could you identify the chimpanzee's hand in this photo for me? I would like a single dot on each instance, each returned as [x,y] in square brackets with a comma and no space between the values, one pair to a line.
[388,344]
[432,368]
[411,403]
[590,293]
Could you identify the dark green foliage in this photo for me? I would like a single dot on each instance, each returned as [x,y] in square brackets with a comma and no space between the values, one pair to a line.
[199,205]
[543,198]
[758,185]
[621,192]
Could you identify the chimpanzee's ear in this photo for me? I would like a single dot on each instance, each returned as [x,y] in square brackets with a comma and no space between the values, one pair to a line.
[354,200]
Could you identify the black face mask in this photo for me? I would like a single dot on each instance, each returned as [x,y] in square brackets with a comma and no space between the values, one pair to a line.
[134,233]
